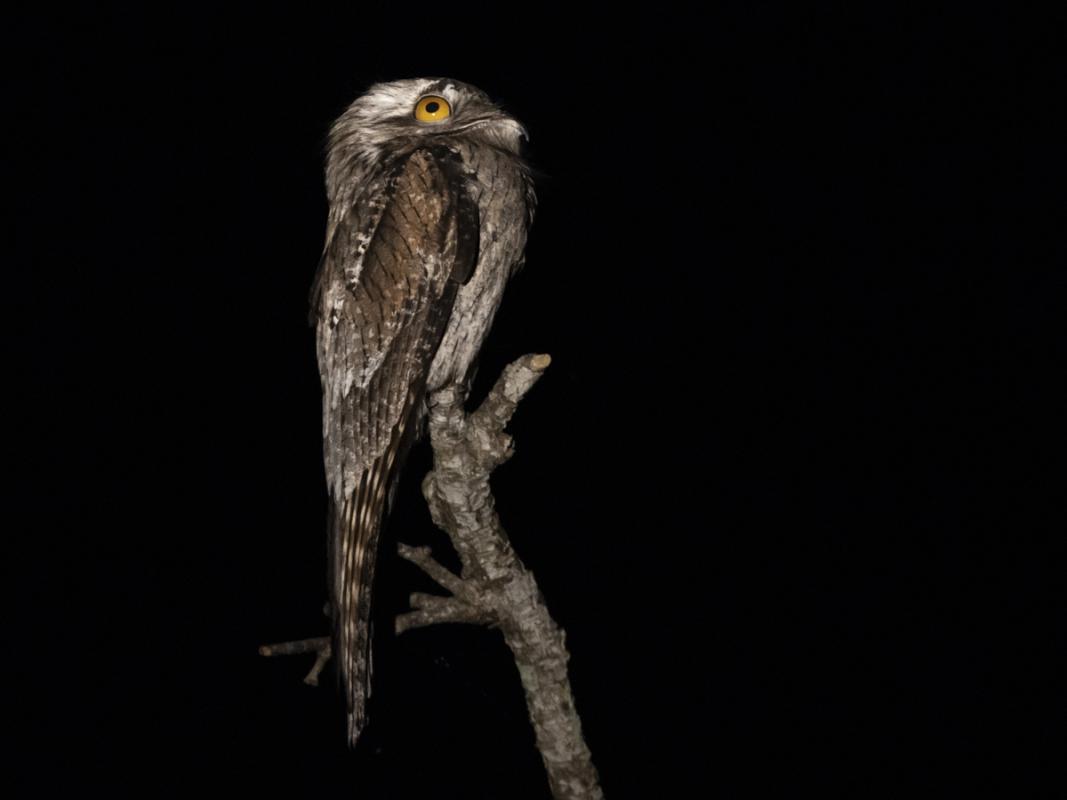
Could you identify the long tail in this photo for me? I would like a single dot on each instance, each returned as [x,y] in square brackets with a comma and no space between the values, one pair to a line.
[355,528]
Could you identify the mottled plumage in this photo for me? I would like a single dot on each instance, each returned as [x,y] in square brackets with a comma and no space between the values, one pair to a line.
[427,222]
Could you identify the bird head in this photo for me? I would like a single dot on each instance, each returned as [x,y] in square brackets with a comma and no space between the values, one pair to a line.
[396,117]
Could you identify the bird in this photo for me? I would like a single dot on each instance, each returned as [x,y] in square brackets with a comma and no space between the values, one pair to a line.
[430,202]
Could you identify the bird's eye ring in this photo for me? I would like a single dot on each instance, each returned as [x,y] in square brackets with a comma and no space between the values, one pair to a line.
[432,109]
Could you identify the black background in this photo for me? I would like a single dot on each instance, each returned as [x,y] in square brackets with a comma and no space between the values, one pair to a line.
[789,484]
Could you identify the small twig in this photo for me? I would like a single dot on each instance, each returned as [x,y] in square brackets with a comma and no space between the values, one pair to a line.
[422,557]
[296,648]
[319,645]
[312,678]
[440,610]
[423,600]
[514,382]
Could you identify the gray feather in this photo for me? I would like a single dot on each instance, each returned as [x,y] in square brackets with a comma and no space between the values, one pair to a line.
[427,222]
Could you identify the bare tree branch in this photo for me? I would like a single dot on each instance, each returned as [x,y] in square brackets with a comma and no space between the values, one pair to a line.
[495,585]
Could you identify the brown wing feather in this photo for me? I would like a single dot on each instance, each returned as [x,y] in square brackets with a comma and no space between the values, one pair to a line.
[386,289]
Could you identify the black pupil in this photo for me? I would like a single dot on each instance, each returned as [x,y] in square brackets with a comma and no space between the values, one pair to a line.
[432,106]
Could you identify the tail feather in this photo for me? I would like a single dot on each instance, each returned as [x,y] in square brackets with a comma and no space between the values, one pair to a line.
[356,527]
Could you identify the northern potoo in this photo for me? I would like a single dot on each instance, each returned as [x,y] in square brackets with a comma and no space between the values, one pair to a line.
[430,203]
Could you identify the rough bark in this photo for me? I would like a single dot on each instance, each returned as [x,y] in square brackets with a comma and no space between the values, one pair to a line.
[495,588]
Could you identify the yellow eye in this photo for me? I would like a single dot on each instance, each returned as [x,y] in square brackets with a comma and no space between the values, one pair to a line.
[432,109]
